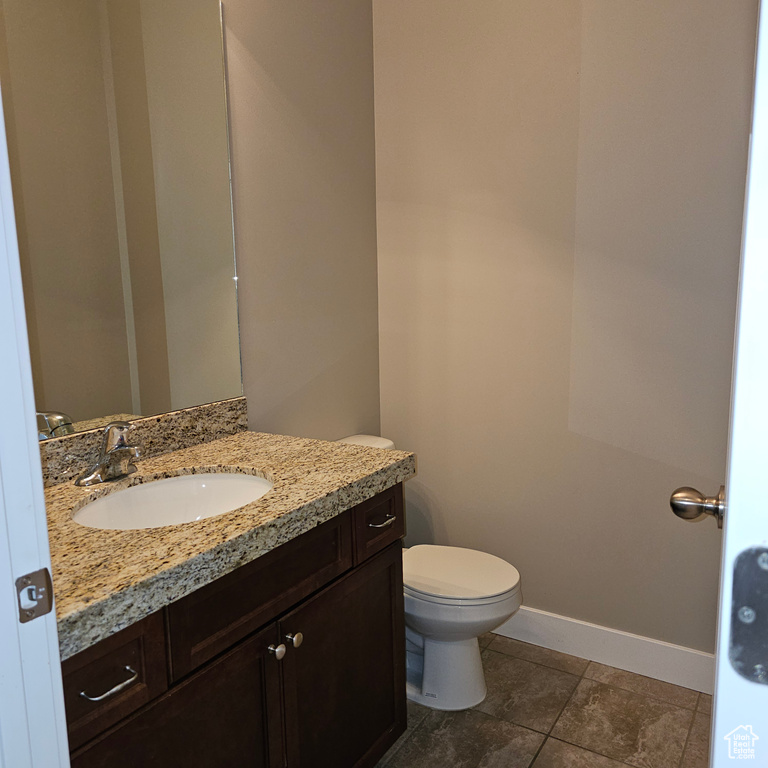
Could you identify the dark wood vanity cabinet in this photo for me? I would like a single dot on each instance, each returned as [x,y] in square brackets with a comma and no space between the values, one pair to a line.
[308,673]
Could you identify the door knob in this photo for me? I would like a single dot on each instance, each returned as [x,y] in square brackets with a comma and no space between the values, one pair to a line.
[690,504]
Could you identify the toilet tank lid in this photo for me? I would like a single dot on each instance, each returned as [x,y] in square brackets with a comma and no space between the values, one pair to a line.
[370,441]
[457,572]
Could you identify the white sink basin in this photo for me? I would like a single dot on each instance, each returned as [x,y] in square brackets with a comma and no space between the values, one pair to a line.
[172,500]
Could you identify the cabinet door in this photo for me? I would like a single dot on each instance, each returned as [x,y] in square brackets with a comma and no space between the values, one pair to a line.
[226,716]
[344,685]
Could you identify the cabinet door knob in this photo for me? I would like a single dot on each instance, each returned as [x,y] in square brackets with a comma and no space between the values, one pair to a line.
[390,519]
[296,639]
[278,650]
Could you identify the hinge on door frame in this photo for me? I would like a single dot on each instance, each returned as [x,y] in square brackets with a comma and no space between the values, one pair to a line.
[34,594]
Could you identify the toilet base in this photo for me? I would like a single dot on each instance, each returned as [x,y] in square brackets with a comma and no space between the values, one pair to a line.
[445,675]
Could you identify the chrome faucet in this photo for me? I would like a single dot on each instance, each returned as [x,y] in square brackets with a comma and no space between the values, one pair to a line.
[53,424]
[115,456]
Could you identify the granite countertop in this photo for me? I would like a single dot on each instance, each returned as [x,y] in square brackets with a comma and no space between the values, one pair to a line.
[101,421]
[105,580]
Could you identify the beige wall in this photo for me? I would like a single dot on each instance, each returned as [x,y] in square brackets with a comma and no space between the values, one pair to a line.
[303,164]
[559,191]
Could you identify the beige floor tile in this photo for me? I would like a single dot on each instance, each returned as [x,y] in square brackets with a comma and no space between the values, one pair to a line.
[608,719]
[486,639]
[705,703]
[558,754]
[646,686]
[642,731]
[696,753]
[539,655]
[467,739]
[416,715]
[525,693]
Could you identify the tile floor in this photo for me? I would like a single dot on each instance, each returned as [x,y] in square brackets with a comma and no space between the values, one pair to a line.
[548,710]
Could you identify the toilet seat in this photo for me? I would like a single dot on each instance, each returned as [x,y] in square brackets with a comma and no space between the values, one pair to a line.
[457,576]
[458,601]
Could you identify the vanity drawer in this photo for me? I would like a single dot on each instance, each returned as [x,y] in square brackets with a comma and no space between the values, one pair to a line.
[378,522]
[213,618]
[119,674]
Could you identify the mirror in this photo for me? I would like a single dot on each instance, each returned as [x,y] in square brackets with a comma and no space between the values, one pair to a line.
[116,118]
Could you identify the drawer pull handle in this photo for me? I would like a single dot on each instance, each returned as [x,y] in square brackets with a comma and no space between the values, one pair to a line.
[278,650]
[296,640]
[390,519]
[112,691]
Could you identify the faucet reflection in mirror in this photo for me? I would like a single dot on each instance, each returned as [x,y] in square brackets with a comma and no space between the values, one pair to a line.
[118,142]
[53,424]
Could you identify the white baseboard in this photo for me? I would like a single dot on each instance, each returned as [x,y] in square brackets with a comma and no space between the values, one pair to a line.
[634,653]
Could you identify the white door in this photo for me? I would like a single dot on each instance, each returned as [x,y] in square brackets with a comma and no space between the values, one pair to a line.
[32,726]
[740,725]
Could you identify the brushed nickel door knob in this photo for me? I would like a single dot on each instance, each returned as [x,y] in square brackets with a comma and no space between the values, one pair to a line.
[690,504]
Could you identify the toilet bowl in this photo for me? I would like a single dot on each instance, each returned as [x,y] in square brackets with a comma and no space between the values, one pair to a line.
[452,596]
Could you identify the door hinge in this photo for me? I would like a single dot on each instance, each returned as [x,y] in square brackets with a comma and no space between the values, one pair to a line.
[34,592]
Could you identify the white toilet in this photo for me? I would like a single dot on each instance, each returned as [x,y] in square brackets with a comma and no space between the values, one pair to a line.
[452,596]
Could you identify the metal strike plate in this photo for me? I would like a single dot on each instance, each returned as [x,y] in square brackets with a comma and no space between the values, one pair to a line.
[35,595]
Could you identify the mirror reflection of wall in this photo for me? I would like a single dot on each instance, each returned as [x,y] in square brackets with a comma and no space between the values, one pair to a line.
[117,130]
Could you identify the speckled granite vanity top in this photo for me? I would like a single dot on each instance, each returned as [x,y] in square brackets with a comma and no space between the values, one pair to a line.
[105,580]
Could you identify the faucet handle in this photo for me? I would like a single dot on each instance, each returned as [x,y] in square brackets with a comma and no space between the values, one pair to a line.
[115,436]
[133,451]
